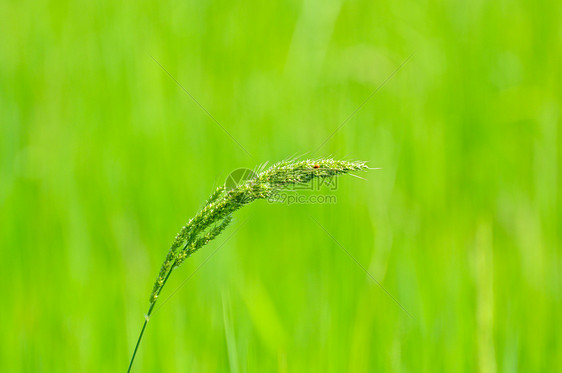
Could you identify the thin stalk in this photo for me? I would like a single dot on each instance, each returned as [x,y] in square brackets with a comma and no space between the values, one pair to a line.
[147,318]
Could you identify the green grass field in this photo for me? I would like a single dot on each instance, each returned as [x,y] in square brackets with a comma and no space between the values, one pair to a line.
[103,158]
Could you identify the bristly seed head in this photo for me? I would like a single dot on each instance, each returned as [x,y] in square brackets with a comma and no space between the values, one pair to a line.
[217,213]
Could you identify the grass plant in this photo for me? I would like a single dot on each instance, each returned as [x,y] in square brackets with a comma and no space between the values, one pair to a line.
[218,210]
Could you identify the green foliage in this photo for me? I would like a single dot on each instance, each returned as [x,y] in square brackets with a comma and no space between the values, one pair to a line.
[102,156]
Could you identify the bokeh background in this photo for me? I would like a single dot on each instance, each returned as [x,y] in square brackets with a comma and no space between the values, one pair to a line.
[103,157]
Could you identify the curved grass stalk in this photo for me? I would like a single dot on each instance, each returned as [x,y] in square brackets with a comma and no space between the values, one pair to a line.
[217,213]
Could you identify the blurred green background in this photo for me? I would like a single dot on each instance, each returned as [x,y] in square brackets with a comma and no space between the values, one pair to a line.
[103,157]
